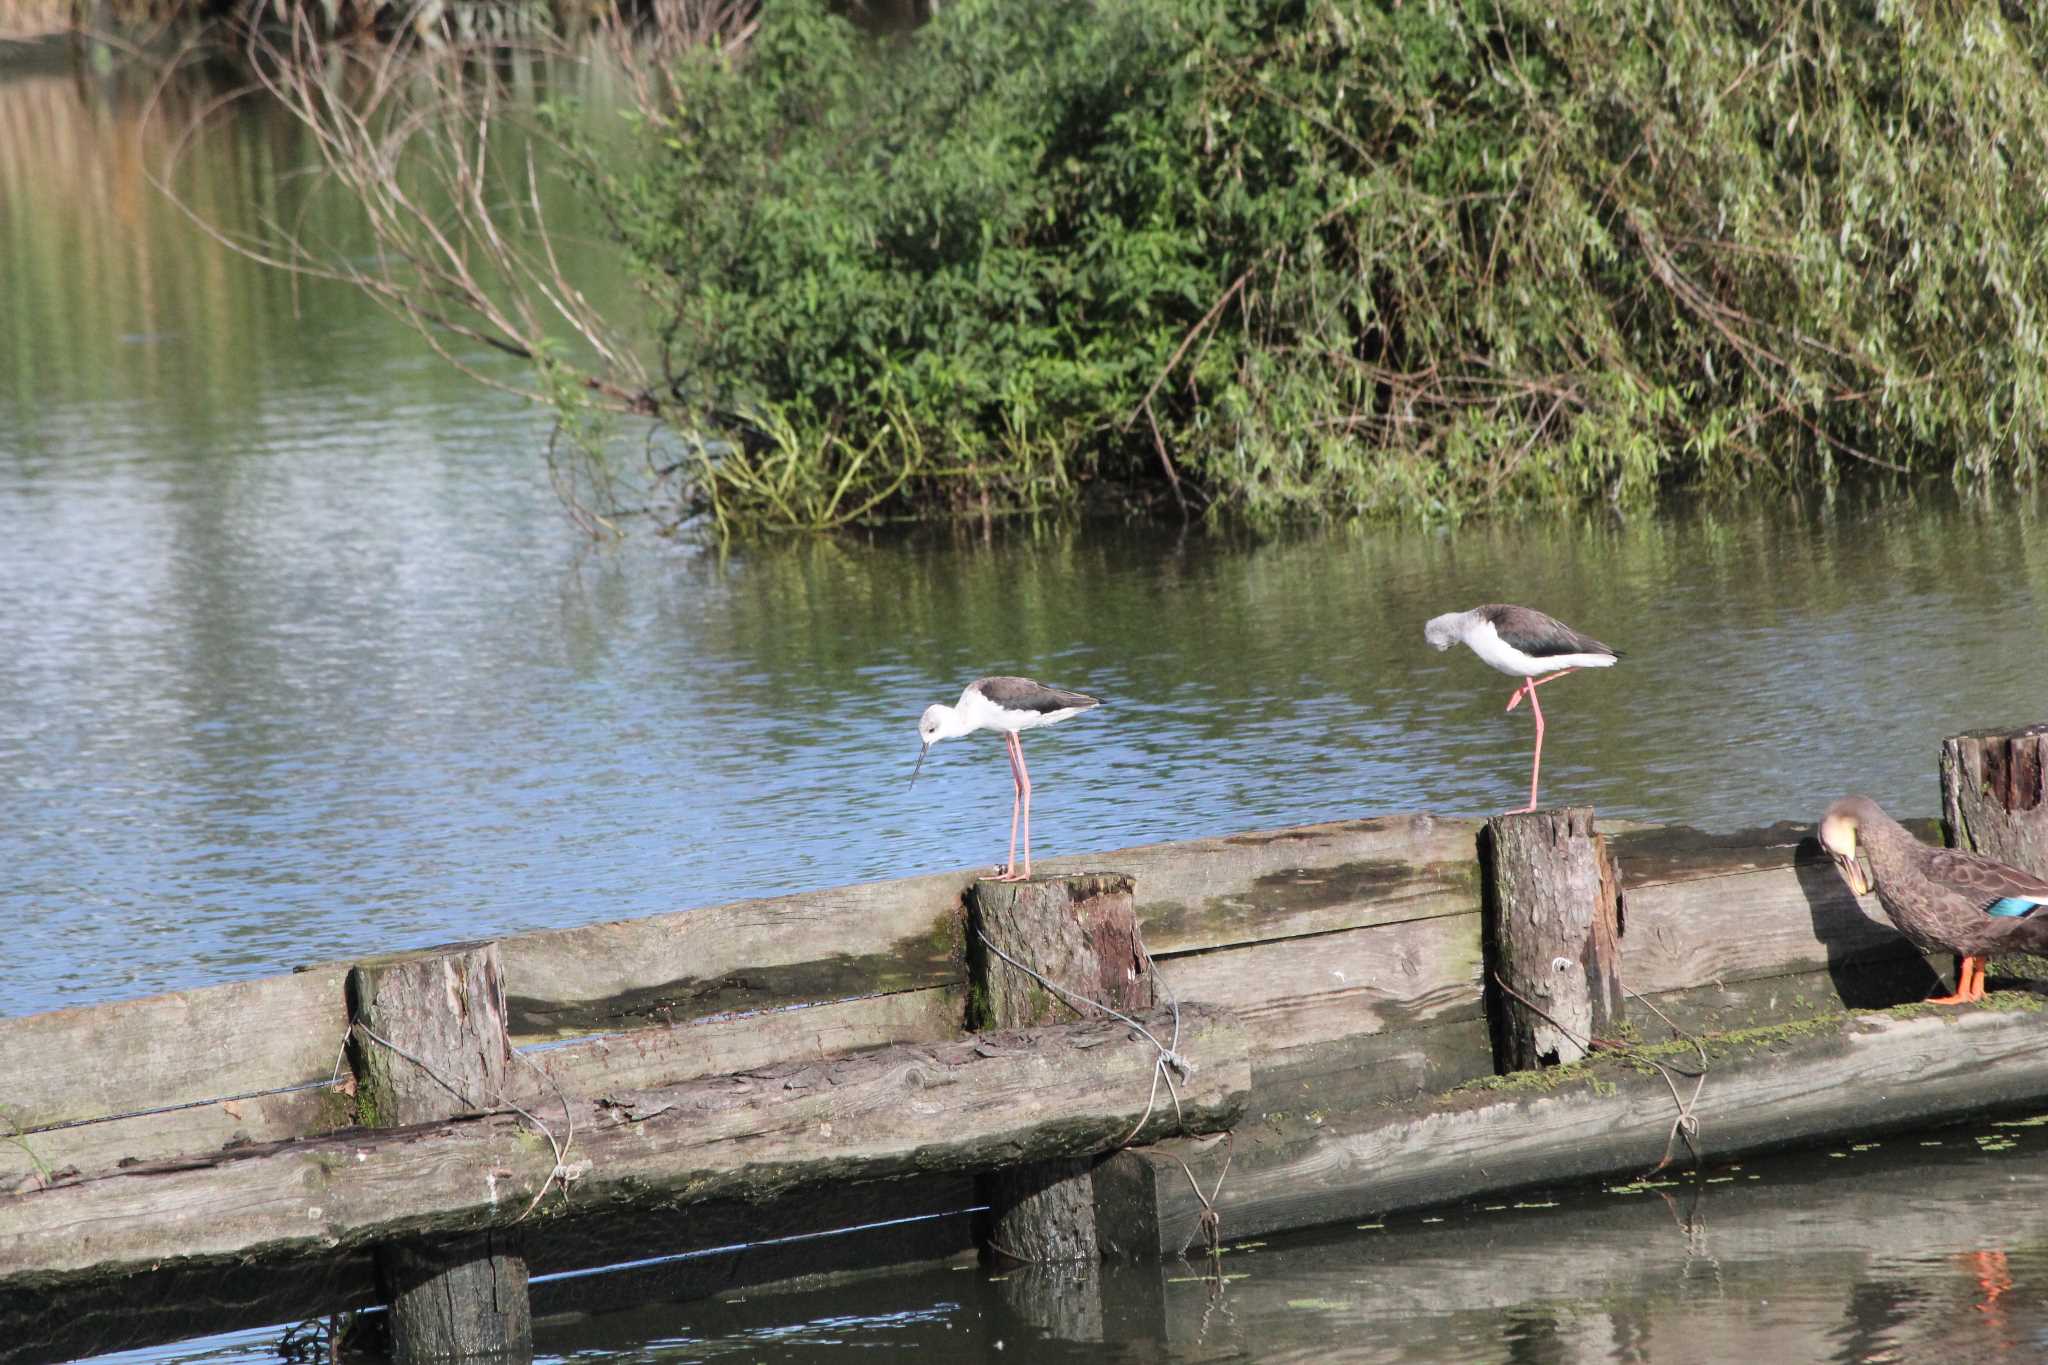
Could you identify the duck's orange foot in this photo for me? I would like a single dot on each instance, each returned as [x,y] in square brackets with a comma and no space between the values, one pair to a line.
[1969,985]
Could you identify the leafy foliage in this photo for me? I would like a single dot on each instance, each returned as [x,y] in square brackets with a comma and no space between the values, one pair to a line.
[1343,256]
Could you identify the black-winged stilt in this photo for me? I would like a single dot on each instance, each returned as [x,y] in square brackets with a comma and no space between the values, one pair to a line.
[1010,705]
[1521,642]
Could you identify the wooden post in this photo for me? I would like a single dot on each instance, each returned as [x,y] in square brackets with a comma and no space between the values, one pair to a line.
[440,1050]
[1994,801]
[1080,932]
[1994,795]
[1551,935]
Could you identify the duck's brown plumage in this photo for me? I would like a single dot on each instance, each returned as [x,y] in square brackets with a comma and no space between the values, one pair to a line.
[1939,897]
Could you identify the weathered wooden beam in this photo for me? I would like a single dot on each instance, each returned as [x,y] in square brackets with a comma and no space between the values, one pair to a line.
[1299,993]
[904,935]
[1765,1089]
[1552,937]
[1742,911]
[250,1039]
[1312,879]
[635,1060]
[1701,908]
[77,1151]
[1079,933]
[246,1038]
[972,1105]
[1703,911]
[428,1043]
[647,1058]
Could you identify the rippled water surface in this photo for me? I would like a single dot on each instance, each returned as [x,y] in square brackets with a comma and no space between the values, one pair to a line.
[300,659]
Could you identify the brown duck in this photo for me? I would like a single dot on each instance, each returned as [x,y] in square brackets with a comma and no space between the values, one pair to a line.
[1939,897]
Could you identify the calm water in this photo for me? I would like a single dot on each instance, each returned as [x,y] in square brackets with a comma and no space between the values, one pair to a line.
[300,660]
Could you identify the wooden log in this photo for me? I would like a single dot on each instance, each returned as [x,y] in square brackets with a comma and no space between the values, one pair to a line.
[1705,912]
[636,1060]
[249,1040]
[1080,933]
[1994,795]
[1769,1088]
[1000,1099]
[1552,937]
[243,1039]
[903,935]
[428,1041]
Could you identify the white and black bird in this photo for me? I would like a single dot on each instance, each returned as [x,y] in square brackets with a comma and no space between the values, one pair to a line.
[1011,705]
[1521,642]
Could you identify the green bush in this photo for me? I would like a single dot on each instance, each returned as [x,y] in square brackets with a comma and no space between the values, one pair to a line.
[1422,258]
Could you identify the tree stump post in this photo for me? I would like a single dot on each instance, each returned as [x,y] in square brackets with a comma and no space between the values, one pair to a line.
[1551,935]
[440,1050]
[1994,795]
[1994,801]
[1080,932]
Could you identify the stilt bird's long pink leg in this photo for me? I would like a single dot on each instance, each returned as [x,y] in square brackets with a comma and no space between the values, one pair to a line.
[1530,687]
[1009,872]
[1536,763]
[1024,775]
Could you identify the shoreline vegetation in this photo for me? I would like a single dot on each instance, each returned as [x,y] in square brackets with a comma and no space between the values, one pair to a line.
[1332,258]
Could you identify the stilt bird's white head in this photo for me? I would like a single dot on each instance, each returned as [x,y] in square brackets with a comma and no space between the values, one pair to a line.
[1446,630]
[1838,836]
[935,724]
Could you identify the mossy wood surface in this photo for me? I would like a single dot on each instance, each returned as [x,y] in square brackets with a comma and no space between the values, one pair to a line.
[1805,1081]
[995,1101]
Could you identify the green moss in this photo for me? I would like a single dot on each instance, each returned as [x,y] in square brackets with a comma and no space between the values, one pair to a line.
[948,936]
[1600,1071]
[336,1110]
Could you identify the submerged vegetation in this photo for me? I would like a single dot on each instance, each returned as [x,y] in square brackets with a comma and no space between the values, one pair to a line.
[1327,257]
